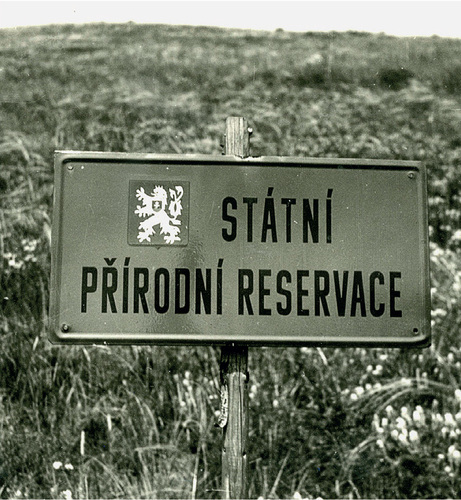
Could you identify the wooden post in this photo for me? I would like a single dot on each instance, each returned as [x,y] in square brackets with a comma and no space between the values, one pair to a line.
[234,366]
[237,137]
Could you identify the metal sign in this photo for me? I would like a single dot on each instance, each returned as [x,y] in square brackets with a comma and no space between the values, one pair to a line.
[266,251]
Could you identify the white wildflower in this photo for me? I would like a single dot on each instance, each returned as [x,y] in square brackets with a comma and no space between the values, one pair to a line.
[66,495]
[401,423]
[418,415]
[57,465]
[403,438]
[458,395]
[414,436]
[438,313]
[359,390]
[378,370]
[449,420]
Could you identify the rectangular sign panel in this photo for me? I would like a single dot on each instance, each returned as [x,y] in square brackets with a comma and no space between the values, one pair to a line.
[216,249]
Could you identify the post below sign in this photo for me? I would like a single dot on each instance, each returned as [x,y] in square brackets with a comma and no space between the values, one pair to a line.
[216,249]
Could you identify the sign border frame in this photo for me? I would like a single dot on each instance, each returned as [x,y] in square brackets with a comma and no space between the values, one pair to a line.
[59,335]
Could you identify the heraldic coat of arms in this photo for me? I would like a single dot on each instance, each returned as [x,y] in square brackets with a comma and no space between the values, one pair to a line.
[160,212]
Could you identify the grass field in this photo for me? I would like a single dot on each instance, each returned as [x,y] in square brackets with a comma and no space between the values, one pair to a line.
[138,422]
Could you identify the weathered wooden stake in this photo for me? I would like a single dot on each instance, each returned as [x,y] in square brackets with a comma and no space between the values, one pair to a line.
[234,366]
[234,373]
[237,137]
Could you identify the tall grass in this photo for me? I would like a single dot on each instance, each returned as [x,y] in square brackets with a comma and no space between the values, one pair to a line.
[125,422]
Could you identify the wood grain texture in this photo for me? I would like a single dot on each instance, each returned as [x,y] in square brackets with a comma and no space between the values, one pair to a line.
[237,137]
[234,370]
[234,365]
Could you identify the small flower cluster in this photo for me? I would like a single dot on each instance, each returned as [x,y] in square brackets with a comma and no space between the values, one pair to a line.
[185,390]
[369,382]
[62,495]
[375,370]
[13,260]
[59,465]
[65,494]
[403,429]
[27,254]
[298,496]
[360,390]
[193,395]
[421,432]
[446,282]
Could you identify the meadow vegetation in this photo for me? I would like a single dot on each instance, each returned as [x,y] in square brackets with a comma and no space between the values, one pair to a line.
[123,422]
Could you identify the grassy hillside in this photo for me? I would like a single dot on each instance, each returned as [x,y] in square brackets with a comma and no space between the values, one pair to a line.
[126,422]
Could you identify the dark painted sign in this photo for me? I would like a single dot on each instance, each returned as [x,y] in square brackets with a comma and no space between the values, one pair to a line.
[269,251]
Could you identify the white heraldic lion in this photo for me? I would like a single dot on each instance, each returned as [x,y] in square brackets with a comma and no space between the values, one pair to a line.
[154,207]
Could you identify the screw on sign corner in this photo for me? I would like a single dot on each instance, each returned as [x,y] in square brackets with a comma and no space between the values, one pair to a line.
[65,328]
